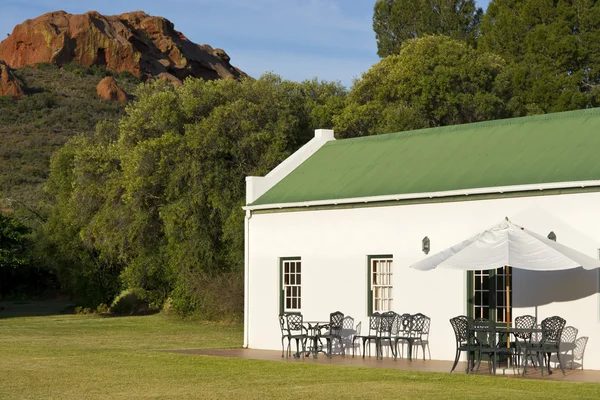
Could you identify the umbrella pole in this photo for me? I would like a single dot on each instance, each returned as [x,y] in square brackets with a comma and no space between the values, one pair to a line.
[508,316]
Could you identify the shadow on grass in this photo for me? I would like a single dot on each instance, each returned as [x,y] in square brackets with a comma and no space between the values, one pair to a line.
[36,308]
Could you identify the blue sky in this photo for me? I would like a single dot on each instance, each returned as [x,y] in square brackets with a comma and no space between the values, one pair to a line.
[332,40]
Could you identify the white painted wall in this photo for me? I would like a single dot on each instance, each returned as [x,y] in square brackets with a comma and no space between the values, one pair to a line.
[334,245]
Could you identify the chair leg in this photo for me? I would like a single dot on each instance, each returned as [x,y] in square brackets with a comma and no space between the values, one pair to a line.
[560,363]
[342,346]
[456,360]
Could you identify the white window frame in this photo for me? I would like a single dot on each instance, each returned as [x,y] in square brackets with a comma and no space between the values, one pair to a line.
[291,284]
[381,283]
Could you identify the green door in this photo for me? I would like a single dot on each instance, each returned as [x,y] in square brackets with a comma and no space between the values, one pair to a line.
[489,294]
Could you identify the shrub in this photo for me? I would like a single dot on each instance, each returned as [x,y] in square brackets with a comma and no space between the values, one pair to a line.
[215,298]
[129,302]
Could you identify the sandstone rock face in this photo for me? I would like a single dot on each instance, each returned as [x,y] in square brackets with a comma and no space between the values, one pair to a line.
[109,90]
[10,85]
[136,42]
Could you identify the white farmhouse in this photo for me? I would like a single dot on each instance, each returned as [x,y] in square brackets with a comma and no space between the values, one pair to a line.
[338,210]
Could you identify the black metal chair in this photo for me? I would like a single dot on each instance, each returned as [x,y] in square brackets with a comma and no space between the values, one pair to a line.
[491,344]
[402,331]
[464,341]
[336,320]
[420,332]
[284,333]
[297,331]
[385,333]
[552,328]
[374,321]
[527,323]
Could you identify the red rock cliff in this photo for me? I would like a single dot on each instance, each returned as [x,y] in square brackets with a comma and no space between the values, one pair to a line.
[136,42]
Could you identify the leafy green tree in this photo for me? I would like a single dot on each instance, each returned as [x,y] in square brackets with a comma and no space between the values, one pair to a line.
[13,242]
[434,81]
[396,21]
[153,204]
[552,51]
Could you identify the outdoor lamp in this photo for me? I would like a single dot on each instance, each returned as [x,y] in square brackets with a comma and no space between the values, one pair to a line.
[552,236]
[425,245]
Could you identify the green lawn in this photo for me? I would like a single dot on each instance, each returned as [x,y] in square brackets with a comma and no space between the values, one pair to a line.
[79,357]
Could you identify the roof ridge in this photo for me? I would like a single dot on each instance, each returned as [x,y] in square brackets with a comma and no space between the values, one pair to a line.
[472,125]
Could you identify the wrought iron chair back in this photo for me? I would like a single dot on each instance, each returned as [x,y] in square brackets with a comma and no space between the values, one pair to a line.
[418,324]
[579,351]
[484,333]
[374,321]
[336,320]
[552,328]
[295,324]
[460,325]
[569,335]
[524,322]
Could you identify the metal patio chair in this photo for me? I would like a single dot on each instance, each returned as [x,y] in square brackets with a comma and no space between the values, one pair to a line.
[402,331]
[297,331]
[567,343]
[336,320]
[464,341]
[385,333]
[421,325]
[527,323]
[491,344]
[284,333]
[371,335]
[552,328]
[579,352]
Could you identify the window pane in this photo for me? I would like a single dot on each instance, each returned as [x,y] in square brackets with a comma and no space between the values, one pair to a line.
[292,279]
[298,279]
[288,303]
[292,267]
[298,267]
[286,267]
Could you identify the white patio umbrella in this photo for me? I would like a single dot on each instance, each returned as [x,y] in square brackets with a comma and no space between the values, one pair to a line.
[507,244]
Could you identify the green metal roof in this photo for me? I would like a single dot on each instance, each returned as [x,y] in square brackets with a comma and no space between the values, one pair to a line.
[560,147]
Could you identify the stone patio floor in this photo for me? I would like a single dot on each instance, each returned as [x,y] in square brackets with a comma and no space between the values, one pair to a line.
[573,375]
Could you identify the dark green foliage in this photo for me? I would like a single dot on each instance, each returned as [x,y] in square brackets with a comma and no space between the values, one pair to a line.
[552,50]
[13,242]
[154,203]
[128,302]
[434,81]
[20,273]
[396,21]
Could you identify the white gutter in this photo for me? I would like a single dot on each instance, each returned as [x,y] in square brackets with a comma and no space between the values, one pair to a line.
[247,277]
[430,195]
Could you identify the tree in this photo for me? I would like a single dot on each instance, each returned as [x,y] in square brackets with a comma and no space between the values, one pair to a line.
[153,204]
[434,81]
[552,51]
[396,21]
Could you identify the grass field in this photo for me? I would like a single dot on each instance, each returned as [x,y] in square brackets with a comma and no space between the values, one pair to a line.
[66,356]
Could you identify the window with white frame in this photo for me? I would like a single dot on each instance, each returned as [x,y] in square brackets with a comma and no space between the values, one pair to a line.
[291,284]
[380,283]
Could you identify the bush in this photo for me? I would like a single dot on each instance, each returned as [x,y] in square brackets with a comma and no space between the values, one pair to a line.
[213,298]
[129,302]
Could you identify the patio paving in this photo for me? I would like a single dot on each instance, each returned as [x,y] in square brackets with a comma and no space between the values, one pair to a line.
[401,364]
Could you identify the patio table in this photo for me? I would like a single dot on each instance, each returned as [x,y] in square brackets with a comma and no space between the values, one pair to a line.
[500,332]
[314,328]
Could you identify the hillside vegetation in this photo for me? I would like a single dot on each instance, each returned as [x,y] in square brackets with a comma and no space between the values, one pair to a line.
[59,103]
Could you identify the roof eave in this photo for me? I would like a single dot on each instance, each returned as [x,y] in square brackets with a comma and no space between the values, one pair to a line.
[430,195]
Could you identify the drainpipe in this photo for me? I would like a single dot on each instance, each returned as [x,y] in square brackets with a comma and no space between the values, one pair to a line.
[247,276]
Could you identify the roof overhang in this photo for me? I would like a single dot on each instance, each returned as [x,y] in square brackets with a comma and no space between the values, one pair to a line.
[430,195]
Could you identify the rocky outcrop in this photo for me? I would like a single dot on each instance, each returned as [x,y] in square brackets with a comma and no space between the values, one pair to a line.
[109,90]
[10,85]
[136,42]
